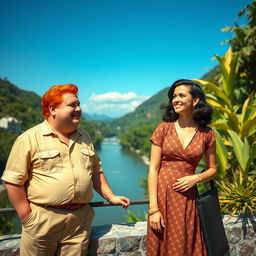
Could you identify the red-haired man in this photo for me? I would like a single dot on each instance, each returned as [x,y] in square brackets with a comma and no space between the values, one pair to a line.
[49,176]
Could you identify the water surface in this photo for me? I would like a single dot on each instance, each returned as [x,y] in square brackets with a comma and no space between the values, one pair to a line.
[123,170]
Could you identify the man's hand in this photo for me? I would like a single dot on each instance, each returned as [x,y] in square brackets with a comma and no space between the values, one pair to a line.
[120,200]
[100,184]
[18,198]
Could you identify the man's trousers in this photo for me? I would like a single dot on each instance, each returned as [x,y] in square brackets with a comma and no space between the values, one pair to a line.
[51,231]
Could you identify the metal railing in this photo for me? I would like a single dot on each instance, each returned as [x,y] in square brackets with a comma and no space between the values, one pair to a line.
[93,204]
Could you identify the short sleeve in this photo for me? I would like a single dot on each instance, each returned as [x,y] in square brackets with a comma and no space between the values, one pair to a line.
[17,166]
[96,164]
[210,138]
[157,137]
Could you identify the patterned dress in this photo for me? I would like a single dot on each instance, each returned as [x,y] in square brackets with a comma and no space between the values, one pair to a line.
[182,235]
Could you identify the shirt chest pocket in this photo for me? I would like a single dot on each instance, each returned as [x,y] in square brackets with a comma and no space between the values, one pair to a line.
[87,158]
[50,161]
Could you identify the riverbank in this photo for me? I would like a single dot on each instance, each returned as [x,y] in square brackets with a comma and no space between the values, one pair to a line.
[144,158]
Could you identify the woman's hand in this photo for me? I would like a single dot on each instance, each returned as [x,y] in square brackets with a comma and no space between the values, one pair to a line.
[185,183]
[156,222]
[122,200]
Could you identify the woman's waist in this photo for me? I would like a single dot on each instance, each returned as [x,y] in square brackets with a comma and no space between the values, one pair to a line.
[179,166]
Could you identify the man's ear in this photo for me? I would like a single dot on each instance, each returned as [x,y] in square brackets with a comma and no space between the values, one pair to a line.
[52,110]
[195,101]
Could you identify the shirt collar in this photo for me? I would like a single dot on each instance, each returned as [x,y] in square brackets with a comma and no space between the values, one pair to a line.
[47,130]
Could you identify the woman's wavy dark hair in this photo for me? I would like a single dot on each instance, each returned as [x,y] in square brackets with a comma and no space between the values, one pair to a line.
[202,112]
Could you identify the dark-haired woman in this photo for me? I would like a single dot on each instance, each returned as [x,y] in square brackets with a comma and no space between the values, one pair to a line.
[178,144]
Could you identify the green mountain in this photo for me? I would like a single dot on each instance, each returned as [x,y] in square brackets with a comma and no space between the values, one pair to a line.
[21,104]
[148,112]
[97,117]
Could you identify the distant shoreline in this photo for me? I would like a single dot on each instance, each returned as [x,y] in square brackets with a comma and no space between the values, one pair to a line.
[115,140]
[144,158]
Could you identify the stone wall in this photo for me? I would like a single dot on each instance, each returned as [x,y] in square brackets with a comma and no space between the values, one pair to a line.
[130,239]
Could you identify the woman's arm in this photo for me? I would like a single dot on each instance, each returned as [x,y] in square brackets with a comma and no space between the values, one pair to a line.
[187,182]
[210,164]
[155,217]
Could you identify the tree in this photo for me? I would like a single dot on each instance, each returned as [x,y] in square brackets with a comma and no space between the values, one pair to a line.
[7,225]
[6,141]
[235,125]
[243,43]
[228,114]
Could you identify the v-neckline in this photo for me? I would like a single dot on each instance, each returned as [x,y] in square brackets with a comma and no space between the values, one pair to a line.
[189,141]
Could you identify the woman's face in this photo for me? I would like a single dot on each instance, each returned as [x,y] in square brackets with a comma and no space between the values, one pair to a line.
[182,100]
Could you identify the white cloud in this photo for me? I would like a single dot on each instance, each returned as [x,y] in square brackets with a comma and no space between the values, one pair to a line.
[113,103]
[114,97]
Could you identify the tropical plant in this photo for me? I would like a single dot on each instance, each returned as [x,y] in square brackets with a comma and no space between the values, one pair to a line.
[244,153]
[238,190]
[235,125]
[132,217]
[229,116]
[243,42]
[238,196]
[237,155]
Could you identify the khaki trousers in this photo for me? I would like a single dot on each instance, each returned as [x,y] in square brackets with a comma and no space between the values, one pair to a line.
[50,231]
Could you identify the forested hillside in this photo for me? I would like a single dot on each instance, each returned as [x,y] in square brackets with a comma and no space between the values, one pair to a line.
[147,113]
[21,104]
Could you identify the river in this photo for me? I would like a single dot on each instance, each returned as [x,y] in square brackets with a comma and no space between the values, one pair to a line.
[124,171]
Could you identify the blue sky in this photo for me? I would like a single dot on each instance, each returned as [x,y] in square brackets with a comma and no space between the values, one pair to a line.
[118,52]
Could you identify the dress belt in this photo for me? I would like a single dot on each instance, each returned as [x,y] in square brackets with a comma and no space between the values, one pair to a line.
[68,207]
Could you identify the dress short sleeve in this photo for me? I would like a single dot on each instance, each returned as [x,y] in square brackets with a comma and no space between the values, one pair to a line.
[157,137]
[210,138]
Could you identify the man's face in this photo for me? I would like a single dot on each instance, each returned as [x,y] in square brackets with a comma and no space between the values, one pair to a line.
[68,113]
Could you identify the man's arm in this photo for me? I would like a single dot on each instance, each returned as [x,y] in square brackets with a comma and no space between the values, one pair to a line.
[18,198]
[101,185]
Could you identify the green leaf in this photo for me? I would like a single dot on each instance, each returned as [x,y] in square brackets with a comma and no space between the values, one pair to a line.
[246,109]
[215,89]
[248,126]
[231,79]
[220,125]
[246,153]
[232,118]
[252,156]
[221,154]
[215,103]
[238,149]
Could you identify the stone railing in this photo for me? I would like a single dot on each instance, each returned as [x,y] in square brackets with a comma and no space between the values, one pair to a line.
[130,239]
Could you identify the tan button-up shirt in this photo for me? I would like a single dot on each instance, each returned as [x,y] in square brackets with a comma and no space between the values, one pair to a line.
[52,172]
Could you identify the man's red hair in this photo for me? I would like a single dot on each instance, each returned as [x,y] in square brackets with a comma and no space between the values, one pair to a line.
[54,96]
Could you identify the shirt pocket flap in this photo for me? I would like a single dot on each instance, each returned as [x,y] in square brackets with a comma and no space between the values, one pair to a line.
[49,154]
[87,152]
